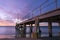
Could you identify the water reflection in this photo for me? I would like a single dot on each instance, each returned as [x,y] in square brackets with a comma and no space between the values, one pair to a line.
[44,31]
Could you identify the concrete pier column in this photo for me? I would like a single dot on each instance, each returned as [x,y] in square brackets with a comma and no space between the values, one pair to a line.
[29,26]
[35,34]
[17,30]
[39,32]
[50,29]
[31,30]
[24,30]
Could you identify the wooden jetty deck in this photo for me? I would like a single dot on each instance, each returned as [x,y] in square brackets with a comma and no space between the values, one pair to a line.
[52,16]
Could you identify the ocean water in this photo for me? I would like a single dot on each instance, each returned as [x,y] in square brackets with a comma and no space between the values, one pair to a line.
[7,31]
[44,31]
[55,31]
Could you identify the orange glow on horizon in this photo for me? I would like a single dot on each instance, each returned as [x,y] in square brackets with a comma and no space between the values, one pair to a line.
[6,23]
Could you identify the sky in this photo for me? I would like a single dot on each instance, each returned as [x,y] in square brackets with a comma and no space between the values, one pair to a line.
[12,11]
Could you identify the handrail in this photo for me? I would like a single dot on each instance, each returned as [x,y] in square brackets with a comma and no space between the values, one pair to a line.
[40,8]
[36,8]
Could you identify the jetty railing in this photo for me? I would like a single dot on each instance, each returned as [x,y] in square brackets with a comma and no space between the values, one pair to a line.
[46,6]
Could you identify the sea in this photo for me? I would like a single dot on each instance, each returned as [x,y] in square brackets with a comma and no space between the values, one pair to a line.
[55,31]
[45,32]
[7,31]
[10,31]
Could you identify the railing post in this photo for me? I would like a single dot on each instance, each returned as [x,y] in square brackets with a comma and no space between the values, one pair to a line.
[56,3]
[32,14]
[40,9]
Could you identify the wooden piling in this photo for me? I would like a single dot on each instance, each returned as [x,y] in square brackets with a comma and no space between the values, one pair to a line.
[24,30]
[50,29]
[36,25]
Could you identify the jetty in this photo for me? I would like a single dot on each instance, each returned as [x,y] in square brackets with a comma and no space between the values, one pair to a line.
[49,16]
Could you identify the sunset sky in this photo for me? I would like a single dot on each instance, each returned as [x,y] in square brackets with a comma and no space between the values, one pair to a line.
[12,11]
